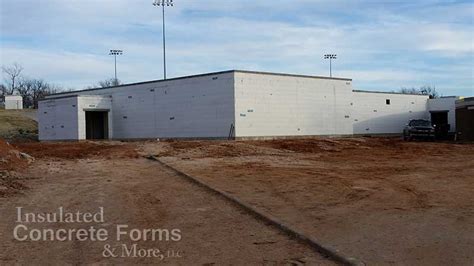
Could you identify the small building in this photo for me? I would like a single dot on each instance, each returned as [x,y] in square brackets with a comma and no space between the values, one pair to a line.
[465,118]
[228,104]
[377,112]
[442,112]
[12,102]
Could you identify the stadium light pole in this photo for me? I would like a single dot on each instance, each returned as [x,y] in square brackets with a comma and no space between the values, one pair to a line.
[163,3]
[115,53]
[330,57]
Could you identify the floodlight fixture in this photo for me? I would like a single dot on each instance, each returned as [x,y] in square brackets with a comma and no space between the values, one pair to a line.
[330,57]
[115,53]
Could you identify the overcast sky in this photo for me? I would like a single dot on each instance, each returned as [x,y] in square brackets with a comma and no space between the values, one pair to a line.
[381,45]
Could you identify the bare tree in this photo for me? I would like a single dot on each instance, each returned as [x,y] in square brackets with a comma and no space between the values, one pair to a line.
[13,73]
[33,90]
[424,90]
[39,90]
[109,83]
[25,88]
[105,83]
[431,91]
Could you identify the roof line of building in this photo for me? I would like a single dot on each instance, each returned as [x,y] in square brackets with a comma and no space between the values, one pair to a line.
[390,92]
[201,75]
[289,75]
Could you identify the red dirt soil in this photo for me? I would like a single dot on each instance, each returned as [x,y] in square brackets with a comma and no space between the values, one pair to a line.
[79,150]
[10,159]
[10,162]
[381,200]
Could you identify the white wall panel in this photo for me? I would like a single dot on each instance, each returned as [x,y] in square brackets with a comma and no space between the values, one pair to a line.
[58,119]
[372,114]
[284,105]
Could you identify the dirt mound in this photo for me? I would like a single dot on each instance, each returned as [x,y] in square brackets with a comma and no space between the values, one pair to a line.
[309,145]
[79,150]
[214,149]
[11,161]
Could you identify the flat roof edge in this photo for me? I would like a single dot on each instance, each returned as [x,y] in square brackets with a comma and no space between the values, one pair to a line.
[72,96]
[390,92]
[145,82]
[196,76]
[289,75]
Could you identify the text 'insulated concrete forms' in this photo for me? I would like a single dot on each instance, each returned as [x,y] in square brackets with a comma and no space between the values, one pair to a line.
[240,104]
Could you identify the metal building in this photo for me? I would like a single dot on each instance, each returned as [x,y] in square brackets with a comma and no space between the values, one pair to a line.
[229,104]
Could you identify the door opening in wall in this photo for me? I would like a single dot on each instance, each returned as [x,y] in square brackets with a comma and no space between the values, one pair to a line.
[439,119]
[97,125]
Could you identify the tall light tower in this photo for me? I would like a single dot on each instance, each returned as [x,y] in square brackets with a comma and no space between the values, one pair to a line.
[163,3]
[115,53]
[330,57]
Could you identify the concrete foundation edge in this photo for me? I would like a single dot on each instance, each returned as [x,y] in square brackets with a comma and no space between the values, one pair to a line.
[305,238]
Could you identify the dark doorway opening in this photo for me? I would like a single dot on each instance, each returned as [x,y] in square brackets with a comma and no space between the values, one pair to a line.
[465,123]
[97,125]
[439,120]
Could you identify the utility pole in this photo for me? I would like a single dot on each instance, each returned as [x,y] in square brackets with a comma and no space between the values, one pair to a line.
[163,3]
[330,57]
[115,53]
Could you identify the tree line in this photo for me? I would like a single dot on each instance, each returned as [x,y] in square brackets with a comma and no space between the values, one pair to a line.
[34,89]
[30,89]
[423,90]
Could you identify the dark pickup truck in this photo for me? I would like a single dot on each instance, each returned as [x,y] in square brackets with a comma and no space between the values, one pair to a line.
[418,128]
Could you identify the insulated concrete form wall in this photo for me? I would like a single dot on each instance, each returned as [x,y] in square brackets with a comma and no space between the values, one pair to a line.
[58,119]
[64,118]
[285,105]
[445,104]
[193,107]
[386,113]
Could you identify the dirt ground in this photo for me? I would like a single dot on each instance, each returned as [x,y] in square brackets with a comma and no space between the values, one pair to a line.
[381,200]
[141,194]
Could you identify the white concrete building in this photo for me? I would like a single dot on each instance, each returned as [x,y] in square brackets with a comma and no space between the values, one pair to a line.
[443,110]
[12,102]
[226,104]
[386,113]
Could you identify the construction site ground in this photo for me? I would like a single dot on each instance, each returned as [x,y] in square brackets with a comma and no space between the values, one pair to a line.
[380,200]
